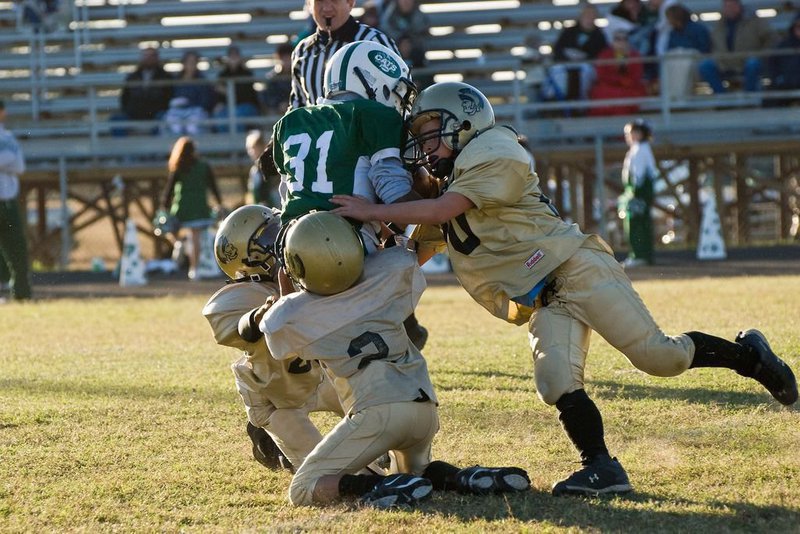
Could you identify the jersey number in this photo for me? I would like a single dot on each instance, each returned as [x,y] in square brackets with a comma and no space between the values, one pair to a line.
[321,183]
[469,244]
[358,345]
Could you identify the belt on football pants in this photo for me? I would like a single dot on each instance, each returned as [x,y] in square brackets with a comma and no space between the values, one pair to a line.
[536,297]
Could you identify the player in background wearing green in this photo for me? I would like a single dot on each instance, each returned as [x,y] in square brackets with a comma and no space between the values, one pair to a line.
[348,316]
[350,143]
[517,258]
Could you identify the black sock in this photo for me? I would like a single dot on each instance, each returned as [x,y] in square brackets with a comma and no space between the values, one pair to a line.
[583,424]
[411,322]
[358,484]
[712,351]
[442,475]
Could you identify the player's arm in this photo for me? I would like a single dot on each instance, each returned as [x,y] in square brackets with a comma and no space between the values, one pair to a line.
[248,324]
[425,211]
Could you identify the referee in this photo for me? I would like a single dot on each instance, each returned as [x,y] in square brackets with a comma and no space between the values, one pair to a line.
[335,28]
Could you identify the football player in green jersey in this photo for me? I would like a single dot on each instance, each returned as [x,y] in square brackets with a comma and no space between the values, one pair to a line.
[518,259]
[350,144]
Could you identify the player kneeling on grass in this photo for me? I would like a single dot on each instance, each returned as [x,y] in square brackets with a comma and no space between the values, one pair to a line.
[349,316]
[277,395]
[518,259]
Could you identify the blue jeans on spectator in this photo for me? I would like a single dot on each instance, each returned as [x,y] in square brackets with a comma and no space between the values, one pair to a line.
[243,111]
[709,71]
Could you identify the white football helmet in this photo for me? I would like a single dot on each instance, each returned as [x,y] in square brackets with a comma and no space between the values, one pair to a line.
[463,111]
[371,71]
[323,253]
[245,243]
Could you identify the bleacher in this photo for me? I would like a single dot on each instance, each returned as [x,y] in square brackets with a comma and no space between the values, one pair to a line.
[61,87]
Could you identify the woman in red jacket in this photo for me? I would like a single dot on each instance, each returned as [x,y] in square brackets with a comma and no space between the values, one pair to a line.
[622,79]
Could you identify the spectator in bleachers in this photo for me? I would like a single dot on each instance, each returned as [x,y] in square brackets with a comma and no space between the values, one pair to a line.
[403,18]
[785,69]
[39,14]
[185,196]
[278,85]
[371,15]
[335,27]
[582,42]
[686,33]
[687,38]
[192,100]
[415,59]
[736,31]
[262,185]
[147,92]
[642,20]
[245,96]
[621,79]
[14,267]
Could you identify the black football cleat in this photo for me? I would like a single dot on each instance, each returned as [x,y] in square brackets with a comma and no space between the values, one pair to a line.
[601,476]
[483,480]
[398,490]
[770,371]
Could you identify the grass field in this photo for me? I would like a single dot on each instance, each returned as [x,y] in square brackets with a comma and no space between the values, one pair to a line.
[121,415]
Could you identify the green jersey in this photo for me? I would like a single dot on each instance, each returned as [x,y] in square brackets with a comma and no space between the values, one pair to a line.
[329,149]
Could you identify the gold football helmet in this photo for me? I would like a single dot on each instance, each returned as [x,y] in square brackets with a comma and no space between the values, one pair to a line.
[323,253]
[245,243]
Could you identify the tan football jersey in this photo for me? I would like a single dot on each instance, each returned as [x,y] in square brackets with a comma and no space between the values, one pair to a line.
[358,335]
[288,383]
[513,238]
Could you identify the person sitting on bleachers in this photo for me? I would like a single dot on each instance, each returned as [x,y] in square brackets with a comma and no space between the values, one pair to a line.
[643,20]
[582,42]
[278,85]
[246,98]
[192,100]
[736,31]
[371,15]
[146,94]
[621,79]
[784,70]
[403,18]
[687,38]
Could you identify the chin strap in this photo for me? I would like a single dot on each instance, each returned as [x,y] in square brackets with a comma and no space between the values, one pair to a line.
[443,167]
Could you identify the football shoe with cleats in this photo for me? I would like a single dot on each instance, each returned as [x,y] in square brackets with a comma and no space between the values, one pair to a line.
[398,490]
[480,480]
[770,371]
[602,475]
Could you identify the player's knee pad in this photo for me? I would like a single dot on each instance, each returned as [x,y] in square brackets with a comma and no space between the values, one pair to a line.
[301,490]
[257,405]
[662,355]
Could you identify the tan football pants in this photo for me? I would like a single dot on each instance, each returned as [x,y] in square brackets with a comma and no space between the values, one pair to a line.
[592,292]
[290,428]
[405,429]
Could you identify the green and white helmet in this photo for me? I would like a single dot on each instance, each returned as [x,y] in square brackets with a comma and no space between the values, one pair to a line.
[371,71]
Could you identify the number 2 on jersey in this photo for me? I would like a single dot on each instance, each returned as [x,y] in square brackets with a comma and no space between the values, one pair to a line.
[320,183]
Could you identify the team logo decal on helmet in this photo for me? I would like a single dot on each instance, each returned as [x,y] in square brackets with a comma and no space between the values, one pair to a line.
[385,63]
[226,252]
[471,101]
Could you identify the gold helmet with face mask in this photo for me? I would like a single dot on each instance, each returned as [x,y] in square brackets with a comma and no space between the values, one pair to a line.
[323,253]
[245,243]
[464,112]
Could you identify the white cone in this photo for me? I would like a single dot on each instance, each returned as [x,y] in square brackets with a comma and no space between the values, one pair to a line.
[711,245]
[132,267]
[207,265]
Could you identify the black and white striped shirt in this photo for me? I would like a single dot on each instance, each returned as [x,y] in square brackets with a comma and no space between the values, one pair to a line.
[311,54]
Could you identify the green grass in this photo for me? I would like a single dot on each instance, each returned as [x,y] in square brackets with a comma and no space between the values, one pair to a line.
[121,415]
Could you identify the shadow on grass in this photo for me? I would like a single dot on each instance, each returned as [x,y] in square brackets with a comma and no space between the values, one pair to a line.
[636,512]
[89,386]
[615,390]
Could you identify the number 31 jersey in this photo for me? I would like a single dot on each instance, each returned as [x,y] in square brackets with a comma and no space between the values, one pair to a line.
[328,149]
